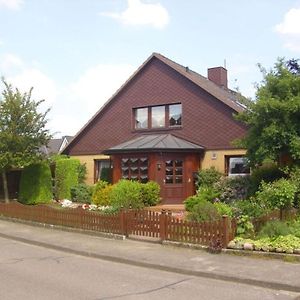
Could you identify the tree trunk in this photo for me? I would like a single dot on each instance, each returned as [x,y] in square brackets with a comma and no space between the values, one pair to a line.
[281,214]
[5,187]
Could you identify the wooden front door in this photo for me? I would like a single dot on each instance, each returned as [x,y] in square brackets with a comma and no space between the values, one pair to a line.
[173,182]
[176,177]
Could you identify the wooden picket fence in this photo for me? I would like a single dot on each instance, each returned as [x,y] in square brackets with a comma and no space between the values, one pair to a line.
[76,218]
[143,223]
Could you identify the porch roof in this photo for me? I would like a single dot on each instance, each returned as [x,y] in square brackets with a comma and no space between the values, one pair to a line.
[155,143]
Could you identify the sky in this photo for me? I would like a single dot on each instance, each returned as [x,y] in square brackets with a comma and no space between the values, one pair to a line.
[77,53]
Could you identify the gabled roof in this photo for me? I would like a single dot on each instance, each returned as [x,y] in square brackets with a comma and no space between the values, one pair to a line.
[155,143]
[55,145]
[226,96]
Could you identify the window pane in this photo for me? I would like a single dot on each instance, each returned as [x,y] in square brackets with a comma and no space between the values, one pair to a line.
[178,171]
[178,163]
[238,166]
[169,163]
[158,116]
[134,168]
[141,118]
[169,171]
[144,179]
[175,113]
[103,170]
[178,179]
[169,179]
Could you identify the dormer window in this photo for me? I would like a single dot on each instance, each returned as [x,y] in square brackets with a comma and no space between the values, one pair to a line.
[175,113]
[141,118]
[161,116]
[158,116]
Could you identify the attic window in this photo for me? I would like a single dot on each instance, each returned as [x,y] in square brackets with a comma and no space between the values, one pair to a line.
[162,116]
[175,113]
[141,118]
[158,116]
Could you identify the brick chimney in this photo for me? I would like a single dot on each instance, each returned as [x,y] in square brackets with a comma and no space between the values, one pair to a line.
[218,75]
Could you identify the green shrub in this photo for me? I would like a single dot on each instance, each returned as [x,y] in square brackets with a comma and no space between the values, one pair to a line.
[81,193]
[223,209]
[233,188]
[190,202]
[273,229]
[294,227]
[102,193]
[203,211]
[208,177]
[36,184]
[287,242]
[245,227]
[110,210]
[150,193]
[251,208]
[82,171]
[204,194]
[66,177]
[267,173]
[55,157]
[208,194]
[294,176]
[278,194]
[127,194]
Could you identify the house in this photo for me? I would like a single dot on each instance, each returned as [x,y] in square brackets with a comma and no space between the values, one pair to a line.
[163,124]
[55,146]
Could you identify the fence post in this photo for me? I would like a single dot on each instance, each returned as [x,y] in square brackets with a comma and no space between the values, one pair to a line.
[163,225]
[226,230]
[123,222]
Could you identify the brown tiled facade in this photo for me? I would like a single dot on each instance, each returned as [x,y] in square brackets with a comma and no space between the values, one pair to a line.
[205,120]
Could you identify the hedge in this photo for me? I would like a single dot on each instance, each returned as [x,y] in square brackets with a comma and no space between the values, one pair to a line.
[66,177]
[36,184]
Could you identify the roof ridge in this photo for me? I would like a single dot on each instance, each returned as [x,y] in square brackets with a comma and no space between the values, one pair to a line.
[189,69]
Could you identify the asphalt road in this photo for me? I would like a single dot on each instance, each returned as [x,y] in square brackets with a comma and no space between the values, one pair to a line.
[32,272]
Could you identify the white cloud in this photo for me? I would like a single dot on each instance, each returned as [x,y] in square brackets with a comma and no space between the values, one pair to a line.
[139,13]
[9,61]
[43,86]
[71,106]
[97,84]
[84,97]
[11,4]
[291,22]
[24,76]
[289,29]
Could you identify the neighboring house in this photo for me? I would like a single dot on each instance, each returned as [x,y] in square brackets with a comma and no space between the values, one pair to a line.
[163,124]
[55,146]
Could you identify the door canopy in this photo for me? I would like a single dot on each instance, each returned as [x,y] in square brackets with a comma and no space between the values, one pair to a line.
[155,143]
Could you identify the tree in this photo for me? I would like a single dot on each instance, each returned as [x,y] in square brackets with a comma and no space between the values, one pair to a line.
[22,131]
[273,119]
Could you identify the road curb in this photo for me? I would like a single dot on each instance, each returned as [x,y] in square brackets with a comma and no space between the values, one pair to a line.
[254,254]
[210,275]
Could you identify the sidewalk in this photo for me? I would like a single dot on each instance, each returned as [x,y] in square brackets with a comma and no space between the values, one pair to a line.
[275,274]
